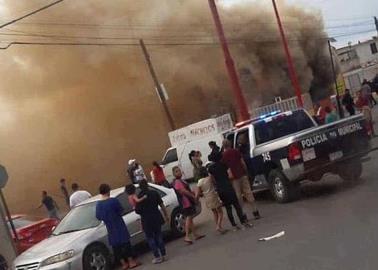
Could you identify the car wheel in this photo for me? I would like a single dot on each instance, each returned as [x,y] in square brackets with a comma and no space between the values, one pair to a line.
[96,258]
[351,170]
[282,190]
[177,223]
[3,264]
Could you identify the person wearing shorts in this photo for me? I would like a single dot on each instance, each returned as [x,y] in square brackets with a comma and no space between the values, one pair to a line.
[110,211]
[206,188]
[188,201]
[233,159]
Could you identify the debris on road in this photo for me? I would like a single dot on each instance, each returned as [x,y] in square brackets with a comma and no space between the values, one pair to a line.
[278,235]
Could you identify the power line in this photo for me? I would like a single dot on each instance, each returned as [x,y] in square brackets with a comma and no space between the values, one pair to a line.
[31,13]
[195,43]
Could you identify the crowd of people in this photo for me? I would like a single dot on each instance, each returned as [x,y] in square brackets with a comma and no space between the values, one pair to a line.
[363,101]
[222,182]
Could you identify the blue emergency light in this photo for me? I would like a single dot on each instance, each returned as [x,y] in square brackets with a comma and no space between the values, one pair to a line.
[269,114]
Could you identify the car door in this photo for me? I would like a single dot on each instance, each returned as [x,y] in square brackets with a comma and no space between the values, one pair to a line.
[131,219]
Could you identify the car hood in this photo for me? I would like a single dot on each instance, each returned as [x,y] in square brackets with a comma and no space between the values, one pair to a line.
[52,246]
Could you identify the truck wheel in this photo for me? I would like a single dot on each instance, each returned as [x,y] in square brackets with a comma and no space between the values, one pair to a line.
[351,170]
[282,190]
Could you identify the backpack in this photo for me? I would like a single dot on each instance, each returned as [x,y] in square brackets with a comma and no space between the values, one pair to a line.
[180,196]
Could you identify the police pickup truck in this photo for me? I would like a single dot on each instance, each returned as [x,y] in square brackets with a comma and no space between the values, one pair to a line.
[282,149]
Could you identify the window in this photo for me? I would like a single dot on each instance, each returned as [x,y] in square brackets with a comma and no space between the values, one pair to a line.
[170,156]
[281,126]
[373,47]
[124,201]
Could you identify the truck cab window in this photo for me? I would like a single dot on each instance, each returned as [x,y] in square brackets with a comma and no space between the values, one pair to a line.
[170,156]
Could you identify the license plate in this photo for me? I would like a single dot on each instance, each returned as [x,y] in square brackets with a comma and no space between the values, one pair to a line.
[335,155]
[308,154]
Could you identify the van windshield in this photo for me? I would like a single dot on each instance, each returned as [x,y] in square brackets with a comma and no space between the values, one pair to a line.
[170,156]
[282,125]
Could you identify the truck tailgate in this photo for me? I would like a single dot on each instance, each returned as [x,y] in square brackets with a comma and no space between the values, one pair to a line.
[336,141]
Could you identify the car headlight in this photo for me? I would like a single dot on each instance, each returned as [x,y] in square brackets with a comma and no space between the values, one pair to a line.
[58,258]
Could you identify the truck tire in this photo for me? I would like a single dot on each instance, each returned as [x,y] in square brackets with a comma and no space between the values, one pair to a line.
[351,170]
[282,190]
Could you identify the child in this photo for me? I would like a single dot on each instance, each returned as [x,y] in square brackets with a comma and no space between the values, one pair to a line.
[206,188]
[133,198]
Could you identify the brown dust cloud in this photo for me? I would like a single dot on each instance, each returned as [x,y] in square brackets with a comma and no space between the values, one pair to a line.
[81,112]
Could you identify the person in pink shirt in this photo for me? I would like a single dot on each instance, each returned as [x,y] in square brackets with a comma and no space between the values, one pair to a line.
[187,200]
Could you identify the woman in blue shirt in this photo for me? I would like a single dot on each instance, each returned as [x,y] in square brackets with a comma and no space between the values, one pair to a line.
[110,211]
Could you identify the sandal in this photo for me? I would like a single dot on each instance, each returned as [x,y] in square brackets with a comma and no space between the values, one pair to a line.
[199,237]
[188,242]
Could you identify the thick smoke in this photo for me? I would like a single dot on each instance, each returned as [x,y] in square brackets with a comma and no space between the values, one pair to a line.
[82,112]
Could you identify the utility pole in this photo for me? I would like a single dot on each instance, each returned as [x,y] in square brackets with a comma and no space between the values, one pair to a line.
[232,74]
[339,107]
[290,64]
[157,84]
[376,23]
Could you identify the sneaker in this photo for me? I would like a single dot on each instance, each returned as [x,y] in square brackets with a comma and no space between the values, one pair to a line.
[247,225]
[256,214]
[235,228]
[157,260]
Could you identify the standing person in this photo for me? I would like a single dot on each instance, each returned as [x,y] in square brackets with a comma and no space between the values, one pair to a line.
[195,158]
[331,115]
[188,202]
[348,102]
[50,204]
[233,159]
[366,93]
[135,171]
[152,220]
[362,104]
[63,188]
[109,210]
[132,196]
[206,188]
[214,148]
[158,176]
[226,192]
[78,196]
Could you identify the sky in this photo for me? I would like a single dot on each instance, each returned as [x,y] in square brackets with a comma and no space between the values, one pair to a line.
[342,17]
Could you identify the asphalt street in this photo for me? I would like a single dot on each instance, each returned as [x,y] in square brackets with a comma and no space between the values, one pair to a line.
[333,226]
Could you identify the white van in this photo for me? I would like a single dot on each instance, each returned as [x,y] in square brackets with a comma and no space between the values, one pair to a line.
[194,137]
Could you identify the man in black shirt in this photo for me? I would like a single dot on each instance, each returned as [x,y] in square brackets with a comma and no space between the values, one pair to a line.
[50,204]
[226,192]
[152,220]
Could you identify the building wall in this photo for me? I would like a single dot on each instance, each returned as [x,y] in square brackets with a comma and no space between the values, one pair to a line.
[357,56]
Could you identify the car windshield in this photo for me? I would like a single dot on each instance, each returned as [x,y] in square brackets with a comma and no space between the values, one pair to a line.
[80,218]
[281,126]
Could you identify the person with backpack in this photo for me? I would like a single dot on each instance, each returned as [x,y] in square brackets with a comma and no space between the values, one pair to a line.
[187,200]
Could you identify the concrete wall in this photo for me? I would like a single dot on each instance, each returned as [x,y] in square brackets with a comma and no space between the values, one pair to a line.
[6,243]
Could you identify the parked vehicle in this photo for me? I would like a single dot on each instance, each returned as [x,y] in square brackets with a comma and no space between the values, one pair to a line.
[31,230]
[80,241]
[282,149]
[194,137]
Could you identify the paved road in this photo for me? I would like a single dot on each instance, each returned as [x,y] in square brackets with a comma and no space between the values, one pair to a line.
[333,226]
